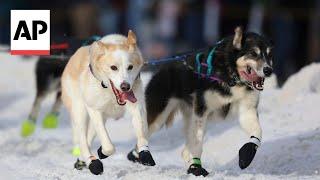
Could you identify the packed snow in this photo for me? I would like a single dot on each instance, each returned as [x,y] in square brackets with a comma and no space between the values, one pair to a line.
[289,118]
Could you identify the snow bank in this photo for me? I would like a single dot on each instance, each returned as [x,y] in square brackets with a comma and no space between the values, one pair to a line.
[306,81]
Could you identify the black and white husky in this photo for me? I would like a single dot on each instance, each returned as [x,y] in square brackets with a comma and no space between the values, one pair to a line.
[48,72]
[241,62]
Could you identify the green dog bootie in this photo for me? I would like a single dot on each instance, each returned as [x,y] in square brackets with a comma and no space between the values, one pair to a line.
[50,121]
[76,151]
[27,128]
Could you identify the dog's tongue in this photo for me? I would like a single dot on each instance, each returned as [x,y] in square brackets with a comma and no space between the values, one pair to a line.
[258,84]
[128,96]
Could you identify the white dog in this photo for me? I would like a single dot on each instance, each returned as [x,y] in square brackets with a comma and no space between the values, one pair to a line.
[102,81]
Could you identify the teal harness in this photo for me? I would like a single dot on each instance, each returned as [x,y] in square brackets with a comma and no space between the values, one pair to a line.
[209,61]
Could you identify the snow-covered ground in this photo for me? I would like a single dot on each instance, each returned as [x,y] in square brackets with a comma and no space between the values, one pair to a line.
[289,118]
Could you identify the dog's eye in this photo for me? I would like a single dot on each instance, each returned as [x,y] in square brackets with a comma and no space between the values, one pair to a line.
[130,67]
[114,68]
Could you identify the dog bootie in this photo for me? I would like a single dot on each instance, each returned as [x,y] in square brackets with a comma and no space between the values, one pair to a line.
[27,128]
[76,151]
[145,158]
[50,121]
[247,152]
[100,154]
[96,167]
[196,168]
[133,156]
[79,165]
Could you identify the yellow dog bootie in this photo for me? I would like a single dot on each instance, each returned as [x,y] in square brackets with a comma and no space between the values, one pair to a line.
[27,128]
[50,121]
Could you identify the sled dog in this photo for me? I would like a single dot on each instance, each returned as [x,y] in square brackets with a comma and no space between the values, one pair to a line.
[102,81]
[240,63]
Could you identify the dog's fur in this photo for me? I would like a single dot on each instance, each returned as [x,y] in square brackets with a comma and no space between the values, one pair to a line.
[114,59]
[48,73]
[241,61]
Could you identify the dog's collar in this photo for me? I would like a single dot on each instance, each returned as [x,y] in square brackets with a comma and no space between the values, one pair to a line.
[91,70]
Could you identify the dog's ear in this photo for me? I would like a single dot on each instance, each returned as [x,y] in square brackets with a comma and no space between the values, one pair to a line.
[96,50]
[237,38]
[132,40]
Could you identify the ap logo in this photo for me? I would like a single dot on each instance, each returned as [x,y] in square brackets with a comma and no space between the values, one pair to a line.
[30,32]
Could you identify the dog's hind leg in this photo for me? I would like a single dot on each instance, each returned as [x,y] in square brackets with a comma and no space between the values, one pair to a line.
[165,116]
[51,119]
[155,123]
[29,125]
[140,124]
[186,117]
[193,148]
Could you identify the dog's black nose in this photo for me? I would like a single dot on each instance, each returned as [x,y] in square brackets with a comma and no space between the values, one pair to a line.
[267,71]
[125,86]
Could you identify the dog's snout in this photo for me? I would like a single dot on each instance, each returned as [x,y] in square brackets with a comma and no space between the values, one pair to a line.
[125,86]
[267,71]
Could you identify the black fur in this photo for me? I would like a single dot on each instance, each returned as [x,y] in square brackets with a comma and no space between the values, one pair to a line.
[200,106]
[47,70]
[225,110]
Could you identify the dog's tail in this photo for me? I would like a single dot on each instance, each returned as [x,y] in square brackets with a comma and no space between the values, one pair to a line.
[160,103]
[158,119]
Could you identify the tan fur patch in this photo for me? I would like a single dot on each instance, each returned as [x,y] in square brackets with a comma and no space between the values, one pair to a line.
[132,39]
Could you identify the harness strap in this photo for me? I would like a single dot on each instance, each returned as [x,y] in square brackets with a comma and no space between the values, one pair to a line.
[90,39]
[208,64]
[198,62]
[59,46]
[209,60]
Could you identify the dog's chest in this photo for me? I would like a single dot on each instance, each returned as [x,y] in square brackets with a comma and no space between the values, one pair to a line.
[103,100]
[215,100]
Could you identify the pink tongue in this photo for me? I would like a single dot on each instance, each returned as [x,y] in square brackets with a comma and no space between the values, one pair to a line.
[250,77]
[128,96]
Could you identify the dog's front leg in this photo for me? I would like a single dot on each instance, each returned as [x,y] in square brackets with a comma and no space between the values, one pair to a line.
[193,149]
[97,120]
[250,123]
[140,124]
[106,148]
